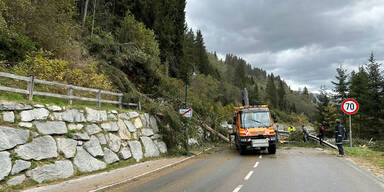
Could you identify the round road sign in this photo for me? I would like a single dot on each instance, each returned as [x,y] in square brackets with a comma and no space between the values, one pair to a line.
[350,106]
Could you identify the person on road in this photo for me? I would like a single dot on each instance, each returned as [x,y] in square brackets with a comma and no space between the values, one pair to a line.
[339,135]
[293,128]
[321,133]
[289,129]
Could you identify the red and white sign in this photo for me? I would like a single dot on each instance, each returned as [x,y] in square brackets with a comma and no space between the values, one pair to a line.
[186,112]
[350,106]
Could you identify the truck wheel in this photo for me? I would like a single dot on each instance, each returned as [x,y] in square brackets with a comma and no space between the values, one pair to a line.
[272,149]
[242,150]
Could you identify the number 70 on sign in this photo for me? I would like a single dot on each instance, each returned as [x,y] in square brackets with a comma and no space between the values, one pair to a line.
[350,106]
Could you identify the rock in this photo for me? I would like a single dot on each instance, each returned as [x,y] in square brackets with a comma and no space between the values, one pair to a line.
[124,144]
[19,166]
[10,106]
[123,131]
[110,157]
[149,147]
[101,138]
[67,147]
[138,124]
[95,115]
[34,134]
[10,137]
[112,117]
[73,115]
[161,146]
[93,129]
[123,116]
[59,170]
[145,119]
[147,132]
[81,136]
[17,180]
[156,136]
[125,153]
[114,142]
[130,126]
[93,147]
[51,127]
[110,126]
[25,124]
[84,162]
[9,117]
[5,164]
[80,143]
[39,105]
[137,151]
[34,114]
[54,108]
[133,114]
[113,111]
[40,148]
[153,123]
[75,126]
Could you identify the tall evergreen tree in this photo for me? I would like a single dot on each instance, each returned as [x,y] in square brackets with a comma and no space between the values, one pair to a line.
[281,93]
[341,85]
[254,96]
[375,81]
[271,92]
[359,91]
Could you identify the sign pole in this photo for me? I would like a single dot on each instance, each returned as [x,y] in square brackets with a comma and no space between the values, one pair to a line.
[350,130]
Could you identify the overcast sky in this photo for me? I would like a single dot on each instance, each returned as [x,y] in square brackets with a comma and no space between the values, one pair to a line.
[303,41]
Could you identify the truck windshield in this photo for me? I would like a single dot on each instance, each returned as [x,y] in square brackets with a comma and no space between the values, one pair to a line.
[255,119]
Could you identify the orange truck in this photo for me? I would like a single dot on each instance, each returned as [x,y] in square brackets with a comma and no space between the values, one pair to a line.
[253,129]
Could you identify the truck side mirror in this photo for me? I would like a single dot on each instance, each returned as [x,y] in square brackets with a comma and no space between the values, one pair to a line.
[274,118]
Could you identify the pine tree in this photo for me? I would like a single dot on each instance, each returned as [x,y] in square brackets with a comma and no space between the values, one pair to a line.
[375,81]
[359,91]
[305,91]
[254,96]
[271,92]
[341,86]
[281,93]
[323,102]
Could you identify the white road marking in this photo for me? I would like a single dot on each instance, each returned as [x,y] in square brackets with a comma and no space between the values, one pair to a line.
[237,189]
[248,176]
[260,157]
[256,164]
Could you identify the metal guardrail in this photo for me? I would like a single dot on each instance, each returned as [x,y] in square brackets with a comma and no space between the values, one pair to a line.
[313,137]
[31,81]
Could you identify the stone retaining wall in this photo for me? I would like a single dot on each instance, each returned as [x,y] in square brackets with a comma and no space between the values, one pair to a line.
[48,142]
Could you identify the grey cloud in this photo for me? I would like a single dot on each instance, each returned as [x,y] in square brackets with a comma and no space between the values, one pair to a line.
[303,41]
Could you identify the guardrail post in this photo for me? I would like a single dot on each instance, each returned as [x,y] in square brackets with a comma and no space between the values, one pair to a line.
[139,105]
[30,86]
[98,96]
[70,92]
[121,101]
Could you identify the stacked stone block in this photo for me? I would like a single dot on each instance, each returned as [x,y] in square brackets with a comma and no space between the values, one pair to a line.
[61,141]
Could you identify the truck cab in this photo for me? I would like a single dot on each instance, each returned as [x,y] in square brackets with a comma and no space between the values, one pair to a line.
[253,129]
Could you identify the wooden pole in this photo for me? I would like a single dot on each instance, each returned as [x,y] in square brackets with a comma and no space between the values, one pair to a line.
[30,87]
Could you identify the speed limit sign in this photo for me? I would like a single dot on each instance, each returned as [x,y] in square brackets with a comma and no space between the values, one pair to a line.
[350,106]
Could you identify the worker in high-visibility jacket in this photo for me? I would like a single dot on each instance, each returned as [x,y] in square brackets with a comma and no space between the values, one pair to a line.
[293,128]
[289,129]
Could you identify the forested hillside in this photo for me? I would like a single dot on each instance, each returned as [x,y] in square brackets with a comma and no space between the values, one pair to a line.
[143,49]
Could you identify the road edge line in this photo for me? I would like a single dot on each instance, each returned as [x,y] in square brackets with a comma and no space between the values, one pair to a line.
[147,173]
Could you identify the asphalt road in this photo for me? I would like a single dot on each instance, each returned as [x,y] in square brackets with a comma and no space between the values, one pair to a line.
[296,169]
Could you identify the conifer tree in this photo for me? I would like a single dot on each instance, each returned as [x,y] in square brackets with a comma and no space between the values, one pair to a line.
[271,91]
